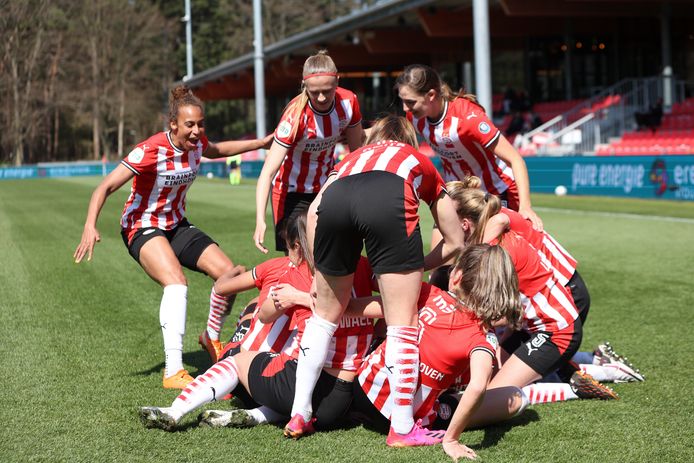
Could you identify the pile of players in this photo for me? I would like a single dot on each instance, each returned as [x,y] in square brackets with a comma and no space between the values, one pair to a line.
[497,328]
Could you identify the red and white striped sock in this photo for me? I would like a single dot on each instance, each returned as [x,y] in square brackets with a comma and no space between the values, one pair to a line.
[402,366]
[542,393]
[211,386]
[220,307]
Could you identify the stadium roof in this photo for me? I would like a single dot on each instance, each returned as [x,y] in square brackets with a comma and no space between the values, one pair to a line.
[380,38]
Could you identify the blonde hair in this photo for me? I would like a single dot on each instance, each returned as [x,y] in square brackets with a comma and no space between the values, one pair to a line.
[422,78]
[392,127]
[473,204]
[321,62]
[489,285]
[182,96]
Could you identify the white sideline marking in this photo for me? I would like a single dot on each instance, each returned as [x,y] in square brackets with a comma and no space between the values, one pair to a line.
[624,215]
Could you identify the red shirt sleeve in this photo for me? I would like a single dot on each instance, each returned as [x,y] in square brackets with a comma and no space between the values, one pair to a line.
[143,158]
[283,132]
[478,128]
[432,184]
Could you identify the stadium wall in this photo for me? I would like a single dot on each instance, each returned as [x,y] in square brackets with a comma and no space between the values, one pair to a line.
[657,177]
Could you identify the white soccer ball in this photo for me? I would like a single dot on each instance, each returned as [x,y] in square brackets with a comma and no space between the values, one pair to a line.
[210,175]
[560,190]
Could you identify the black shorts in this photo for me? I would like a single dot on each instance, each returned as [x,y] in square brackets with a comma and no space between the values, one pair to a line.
[579,291]
[187,242]
[283,210]
[370,209]
[272,381]
[540,352]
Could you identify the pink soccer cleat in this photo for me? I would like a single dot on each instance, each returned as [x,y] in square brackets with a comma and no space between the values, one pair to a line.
[417,437]
[298,427]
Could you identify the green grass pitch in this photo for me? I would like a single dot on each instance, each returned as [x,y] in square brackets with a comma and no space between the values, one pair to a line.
[80,345]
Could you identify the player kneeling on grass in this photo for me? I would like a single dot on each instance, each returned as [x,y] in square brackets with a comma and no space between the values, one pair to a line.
[454,339]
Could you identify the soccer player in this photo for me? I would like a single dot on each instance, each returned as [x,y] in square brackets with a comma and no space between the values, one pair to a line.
[552,328]
[458,130]
[454,339]
[153,225]
[301,156]
[372,197]
[267,378]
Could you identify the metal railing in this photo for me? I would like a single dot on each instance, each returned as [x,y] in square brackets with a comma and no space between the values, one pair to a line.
[608,114]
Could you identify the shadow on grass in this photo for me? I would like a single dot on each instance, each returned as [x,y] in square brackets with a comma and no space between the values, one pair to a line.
[495,432]
[199,360]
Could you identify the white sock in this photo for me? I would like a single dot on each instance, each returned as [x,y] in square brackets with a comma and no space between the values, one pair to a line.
[172,318]
[220,306]
[263,415]
[541,393]
[215,383]
[313,349]
[599,372]
[402,367]
[525,402]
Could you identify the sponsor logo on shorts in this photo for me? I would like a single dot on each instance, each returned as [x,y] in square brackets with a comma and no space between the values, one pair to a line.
[536,342]
[148,232]
[484,128]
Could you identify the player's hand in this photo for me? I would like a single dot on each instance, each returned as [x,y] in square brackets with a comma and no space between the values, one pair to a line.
[455,450]
[535,219]
[284,296]
[259,236]
[90,236]
[267,141]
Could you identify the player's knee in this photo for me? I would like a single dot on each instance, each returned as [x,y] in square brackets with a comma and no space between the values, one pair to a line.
[518,402]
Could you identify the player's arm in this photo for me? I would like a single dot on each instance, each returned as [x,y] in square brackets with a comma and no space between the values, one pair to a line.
[355,137]
[480,373]
[269,310]
[90,235]
[448,224]
[235,281]
[496,225]
[234,147]
[272,164]
[369,307]
[285,296]
[507,153]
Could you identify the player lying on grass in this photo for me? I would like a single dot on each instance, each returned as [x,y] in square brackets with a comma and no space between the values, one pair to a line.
[267,378]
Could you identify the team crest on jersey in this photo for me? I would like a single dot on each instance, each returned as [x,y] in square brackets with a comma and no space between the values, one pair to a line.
[136,155]
[484,128]
[284,129]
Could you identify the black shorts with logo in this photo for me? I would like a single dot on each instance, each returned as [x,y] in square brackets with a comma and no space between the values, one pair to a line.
[272,381]
[187,242]
[366,209]
[539,351]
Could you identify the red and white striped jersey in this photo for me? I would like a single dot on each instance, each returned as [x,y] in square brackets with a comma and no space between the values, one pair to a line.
[310,149]
[447,338]
[422,179]
[551,252]
[163,174]
[463,137]
[547,305]
[353,335]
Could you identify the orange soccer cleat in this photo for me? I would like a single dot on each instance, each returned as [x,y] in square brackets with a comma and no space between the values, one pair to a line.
[178,380]
[214,348]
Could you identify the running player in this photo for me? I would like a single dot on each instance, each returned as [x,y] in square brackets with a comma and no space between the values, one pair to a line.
[372,198]
[454,339]
[304,143]
[153,225]
[458,130]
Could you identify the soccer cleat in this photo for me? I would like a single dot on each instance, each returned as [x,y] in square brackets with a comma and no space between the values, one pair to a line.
[227,419]
[177,381]
[297,427]
[605,355]
[417,437]
[214,348]
[586,387]
[157,417]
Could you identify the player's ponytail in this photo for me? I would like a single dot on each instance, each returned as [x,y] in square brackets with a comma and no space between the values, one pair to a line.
[319,64]
[489,284]
[182,96]
[475,205]
[392,127]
